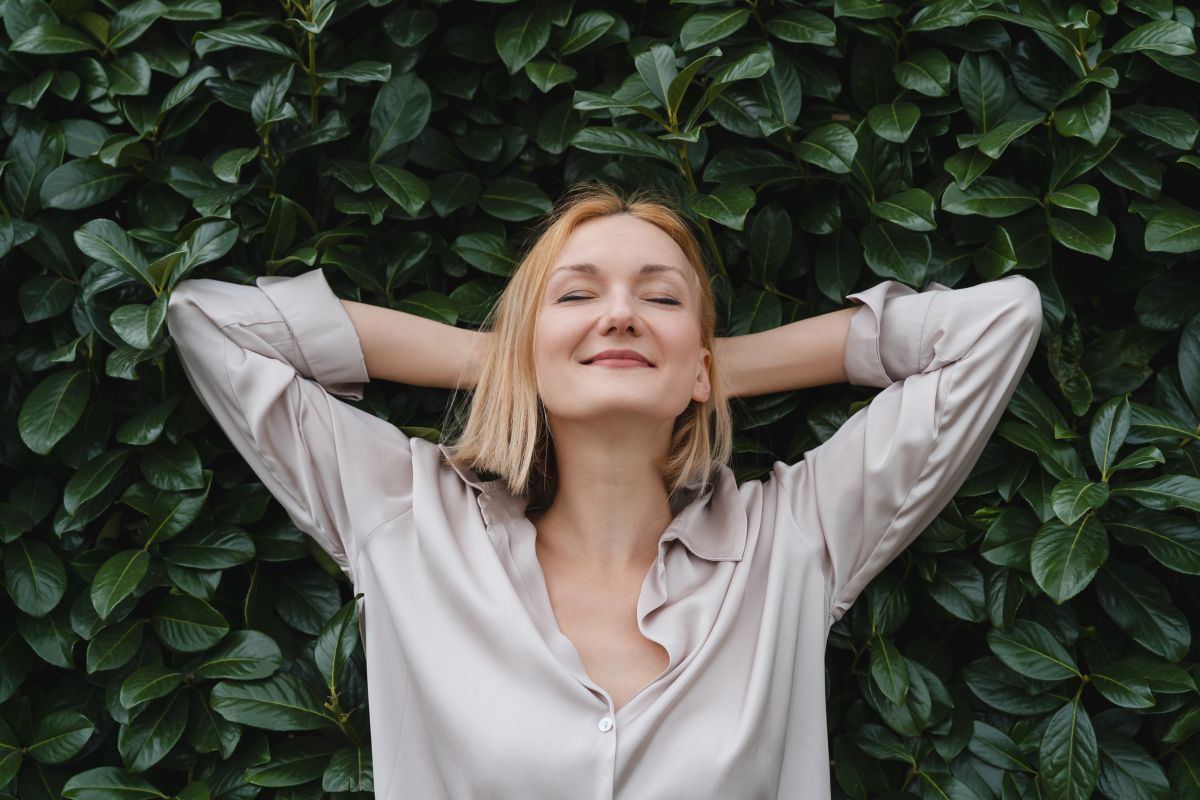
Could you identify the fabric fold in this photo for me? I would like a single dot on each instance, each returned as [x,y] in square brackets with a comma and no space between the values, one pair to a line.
[325,336]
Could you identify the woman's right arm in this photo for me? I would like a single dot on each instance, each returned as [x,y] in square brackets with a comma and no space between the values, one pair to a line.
[406,348]
[269,361]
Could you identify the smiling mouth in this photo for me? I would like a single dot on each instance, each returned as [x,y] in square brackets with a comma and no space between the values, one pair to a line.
[616,362]
[616,356]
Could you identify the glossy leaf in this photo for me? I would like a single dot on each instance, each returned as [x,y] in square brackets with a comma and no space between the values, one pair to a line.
[1031,650]
[1069,754]
[52,409]
[281,703]
[117,578]
[1065,558]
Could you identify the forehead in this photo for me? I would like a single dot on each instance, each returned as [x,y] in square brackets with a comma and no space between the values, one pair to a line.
[621,244]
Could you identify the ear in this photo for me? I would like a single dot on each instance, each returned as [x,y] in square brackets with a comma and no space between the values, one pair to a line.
[703,386]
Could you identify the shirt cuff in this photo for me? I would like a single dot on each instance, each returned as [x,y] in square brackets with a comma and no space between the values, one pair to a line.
[325,338]
[885,341]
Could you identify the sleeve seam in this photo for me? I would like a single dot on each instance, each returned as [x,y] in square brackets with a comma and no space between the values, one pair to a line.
[292,332]
[820,549]
[366,537]
[267,459]
[921,339]
[924,464]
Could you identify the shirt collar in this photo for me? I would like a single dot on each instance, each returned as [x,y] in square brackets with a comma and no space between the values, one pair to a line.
[711,524]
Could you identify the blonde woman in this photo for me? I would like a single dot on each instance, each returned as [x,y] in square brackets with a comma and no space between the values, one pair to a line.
[613,616]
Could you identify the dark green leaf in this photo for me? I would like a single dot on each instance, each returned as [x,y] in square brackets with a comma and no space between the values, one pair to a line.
[521,35]
[188,624]
[727,205]
[52,409]
[242,655]
[117,578]
[148,683]
[894,121]
[1068,754]
[1079,197]
[1087,234]
[34,576]
[1164,36]
[1064,558]
[279,703]
[831,146]
[889,670]
[349,771]
[926,71]
[893,252]
[294,762]
[912,209]
[399,114]
[707,27]
[336,643]
[1032,651]
[1142,608]
[1176,230]
[988,197]
[803,27]
[151,734]
[59,736]
[49,38]
[109,783]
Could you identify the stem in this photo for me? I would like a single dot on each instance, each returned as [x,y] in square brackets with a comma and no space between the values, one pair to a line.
[786,296]
[1049,237]
[312,75]
[342,718]
[708,234]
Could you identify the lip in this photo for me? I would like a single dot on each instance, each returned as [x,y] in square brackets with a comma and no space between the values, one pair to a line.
[619,358]
[617,362]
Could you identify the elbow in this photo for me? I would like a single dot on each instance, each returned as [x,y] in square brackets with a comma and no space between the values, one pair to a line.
[186,308]
[177,307]
[1032,307]
[1028,316]
[1026,304]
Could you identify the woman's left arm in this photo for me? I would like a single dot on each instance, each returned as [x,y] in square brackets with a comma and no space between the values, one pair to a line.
[948,362]
[799,355]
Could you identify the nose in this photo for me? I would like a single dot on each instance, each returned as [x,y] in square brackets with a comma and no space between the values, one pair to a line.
[619,313]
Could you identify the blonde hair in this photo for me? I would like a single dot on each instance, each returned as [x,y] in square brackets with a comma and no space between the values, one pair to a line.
[506,431]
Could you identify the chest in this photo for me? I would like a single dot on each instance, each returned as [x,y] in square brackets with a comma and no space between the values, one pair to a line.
[601,621]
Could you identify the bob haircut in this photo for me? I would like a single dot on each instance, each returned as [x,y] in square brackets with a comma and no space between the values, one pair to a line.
[507,432]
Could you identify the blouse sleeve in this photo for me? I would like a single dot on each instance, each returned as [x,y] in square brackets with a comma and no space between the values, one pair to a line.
[267,361]
[948,361]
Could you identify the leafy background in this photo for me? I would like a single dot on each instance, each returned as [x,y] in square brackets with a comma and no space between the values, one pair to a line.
[166,632]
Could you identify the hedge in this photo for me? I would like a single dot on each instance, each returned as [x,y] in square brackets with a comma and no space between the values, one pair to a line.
[166,632]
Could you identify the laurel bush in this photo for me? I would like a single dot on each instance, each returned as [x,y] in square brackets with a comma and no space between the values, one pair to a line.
[166,632]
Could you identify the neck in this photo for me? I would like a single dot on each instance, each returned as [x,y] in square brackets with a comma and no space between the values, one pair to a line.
[610,505]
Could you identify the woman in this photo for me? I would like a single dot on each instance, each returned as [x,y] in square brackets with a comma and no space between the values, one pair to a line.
[613,616]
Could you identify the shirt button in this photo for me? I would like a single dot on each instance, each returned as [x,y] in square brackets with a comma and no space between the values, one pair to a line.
[605,724]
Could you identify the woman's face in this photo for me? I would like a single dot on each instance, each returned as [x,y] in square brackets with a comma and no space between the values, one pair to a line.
[618,304]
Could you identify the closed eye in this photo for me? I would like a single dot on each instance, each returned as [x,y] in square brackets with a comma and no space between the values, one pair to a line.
[663,300]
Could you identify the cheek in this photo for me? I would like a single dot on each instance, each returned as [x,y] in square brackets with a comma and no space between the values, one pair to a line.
[550,346]
[685,340]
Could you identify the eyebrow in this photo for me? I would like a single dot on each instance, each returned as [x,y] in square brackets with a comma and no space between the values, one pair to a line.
[647,269]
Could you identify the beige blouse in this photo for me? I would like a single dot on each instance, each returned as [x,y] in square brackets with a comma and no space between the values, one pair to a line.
[474,692]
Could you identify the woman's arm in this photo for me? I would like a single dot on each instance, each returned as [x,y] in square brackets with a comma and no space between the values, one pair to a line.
[406,348]
[808,352]
[268,361]
[948,362]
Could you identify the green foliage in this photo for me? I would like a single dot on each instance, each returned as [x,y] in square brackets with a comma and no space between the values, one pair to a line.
[167,632]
